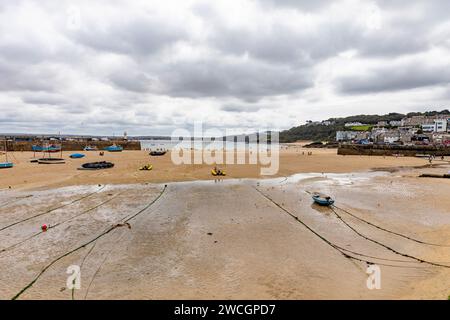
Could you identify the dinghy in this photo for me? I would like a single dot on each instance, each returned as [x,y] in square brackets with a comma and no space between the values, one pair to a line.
[114,148]
[77,155]
[218,172]
[6,164]
[96,165]
[158,153]
[147,167]
[51,161]
[90,148]
[51,148]
[322,199]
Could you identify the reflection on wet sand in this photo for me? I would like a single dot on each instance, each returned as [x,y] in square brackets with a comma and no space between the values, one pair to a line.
[223,239]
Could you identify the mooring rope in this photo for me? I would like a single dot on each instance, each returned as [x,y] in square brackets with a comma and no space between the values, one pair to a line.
[15,200]
[333,245]
[390,231]
[384,229]
[59,223]
[29,285]
[99,267]
[386,246]
[53,209]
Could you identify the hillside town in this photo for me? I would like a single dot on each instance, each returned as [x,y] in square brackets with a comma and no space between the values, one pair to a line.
[414,130]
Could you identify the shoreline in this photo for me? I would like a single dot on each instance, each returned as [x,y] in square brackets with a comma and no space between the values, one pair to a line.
[292,159]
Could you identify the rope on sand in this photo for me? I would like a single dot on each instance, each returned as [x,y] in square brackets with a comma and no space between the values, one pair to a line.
[15,200]
[390,231]
[333,245]
[436,264]
[59,223]
[53,209]
[99,268]
[29,285]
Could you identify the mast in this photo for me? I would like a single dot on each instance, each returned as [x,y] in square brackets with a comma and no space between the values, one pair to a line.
[6,150]
[60,141]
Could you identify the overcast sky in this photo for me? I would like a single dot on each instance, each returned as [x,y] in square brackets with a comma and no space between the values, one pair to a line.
[149,67]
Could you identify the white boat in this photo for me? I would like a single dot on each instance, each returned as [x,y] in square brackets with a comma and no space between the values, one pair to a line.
[51,161]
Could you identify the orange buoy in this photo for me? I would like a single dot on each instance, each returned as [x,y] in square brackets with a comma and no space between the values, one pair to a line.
[44,227]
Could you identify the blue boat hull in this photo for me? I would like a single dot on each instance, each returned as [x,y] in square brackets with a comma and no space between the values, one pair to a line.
[114,149]
[5,165]
[77,155]
[45,149]
[323,202]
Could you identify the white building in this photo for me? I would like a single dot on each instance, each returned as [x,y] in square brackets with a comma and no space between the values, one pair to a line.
[395,123]
[353,124]
[346,135]
[439,125]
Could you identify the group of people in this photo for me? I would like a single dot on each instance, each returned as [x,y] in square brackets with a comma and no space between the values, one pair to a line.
[431,157]
[218,171]
[309,153]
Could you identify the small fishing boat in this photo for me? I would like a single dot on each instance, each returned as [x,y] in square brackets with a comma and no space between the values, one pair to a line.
[77,155]
[51,148]
[218,172]
[114,148]
[6,164]
[90,148]
[322,199]
[51,161]
[96,165]
[147,167]
[158,152]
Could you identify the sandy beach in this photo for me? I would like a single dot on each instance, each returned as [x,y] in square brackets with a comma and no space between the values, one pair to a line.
[242,237]
[293,159]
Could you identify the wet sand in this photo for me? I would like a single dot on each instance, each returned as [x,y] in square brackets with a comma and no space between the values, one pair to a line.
[293,159]
[232,238]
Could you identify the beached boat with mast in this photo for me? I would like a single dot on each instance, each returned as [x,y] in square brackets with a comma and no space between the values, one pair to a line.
[6,164]
[48,149]
[52,148]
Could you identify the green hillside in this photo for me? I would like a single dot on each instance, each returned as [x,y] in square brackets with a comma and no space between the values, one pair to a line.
[318,132]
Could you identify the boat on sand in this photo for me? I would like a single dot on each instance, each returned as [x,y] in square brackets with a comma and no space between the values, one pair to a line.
[218,172]
[322,199]
[6,164]
[77,155]
[158,152]
[114,148]
[96,165]
[51,161]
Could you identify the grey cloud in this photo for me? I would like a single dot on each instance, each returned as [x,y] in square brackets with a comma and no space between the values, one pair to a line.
[280,43]
[27,77]
[304,5]
[53,75]
[42,98]
[394,78]
[247,80]
[133,81]
[238,108]
[139,36]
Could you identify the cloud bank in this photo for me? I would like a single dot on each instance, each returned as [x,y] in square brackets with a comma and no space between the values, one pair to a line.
[148,67]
